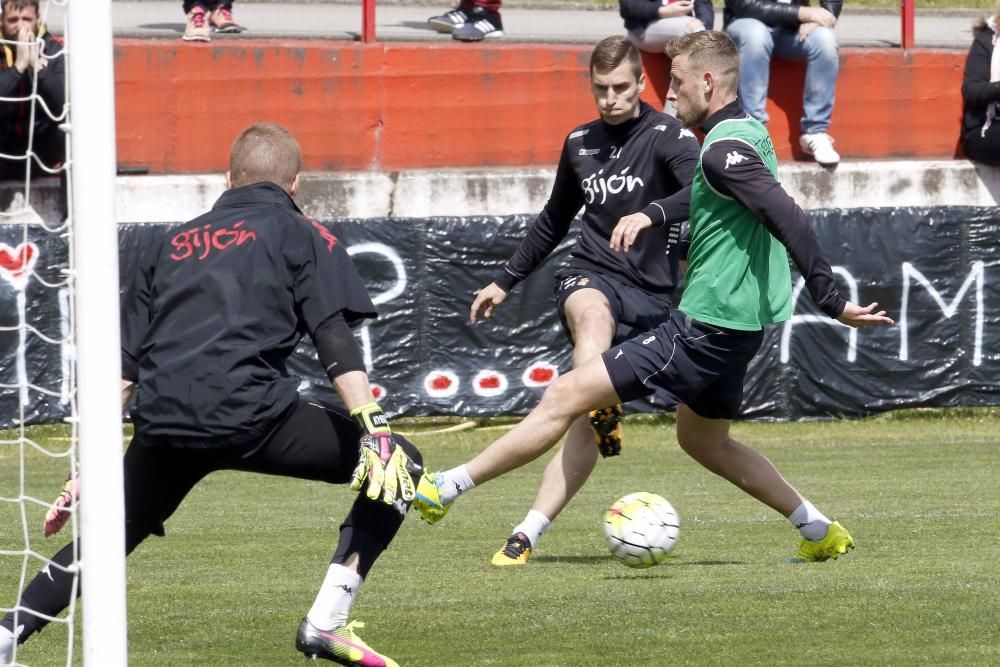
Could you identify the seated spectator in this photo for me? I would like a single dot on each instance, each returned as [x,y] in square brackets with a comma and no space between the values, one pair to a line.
[30,56]
[206,15]
[981,94]
[470,21]
[789,29]
[653,23]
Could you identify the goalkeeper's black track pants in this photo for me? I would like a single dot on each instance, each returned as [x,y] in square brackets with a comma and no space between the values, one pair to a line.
[314,443]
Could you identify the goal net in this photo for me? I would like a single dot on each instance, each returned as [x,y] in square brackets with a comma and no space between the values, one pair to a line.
[59,329]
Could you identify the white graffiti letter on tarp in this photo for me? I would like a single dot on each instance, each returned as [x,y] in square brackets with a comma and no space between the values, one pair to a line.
[396,289]
[976,274]
[852,335]
[16,266]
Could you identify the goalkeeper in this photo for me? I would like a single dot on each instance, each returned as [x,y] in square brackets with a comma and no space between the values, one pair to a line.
[207,328]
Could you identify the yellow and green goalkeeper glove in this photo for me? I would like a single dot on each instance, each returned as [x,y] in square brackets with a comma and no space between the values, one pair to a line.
[384,466]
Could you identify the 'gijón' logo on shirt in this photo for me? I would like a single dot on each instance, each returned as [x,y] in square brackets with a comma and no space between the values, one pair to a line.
[330,239]
[199,243]
[596,184]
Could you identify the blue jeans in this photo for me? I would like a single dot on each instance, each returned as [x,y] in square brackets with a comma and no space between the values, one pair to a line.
[757,42]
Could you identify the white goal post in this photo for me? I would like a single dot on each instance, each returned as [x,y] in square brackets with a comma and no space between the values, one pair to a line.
[92,169]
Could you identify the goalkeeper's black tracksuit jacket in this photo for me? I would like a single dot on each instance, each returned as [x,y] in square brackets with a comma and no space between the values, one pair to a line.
[644,164]
[219,306]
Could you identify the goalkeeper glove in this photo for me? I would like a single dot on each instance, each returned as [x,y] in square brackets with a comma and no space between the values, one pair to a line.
[385,467]
[59,513]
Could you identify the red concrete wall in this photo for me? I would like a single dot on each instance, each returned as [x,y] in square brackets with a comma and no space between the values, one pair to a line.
[409,106]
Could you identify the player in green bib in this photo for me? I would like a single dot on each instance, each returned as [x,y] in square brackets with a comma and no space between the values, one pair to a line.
[738,274]
[744,226]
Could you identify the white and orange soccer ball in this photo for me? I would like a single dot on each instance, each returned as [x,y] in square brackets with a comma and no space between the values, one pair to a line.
[641,529]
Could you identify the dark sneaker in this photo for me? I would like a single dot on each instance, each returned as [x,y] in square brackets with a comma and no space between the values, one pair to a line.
[449,21]
[607,425]
[517,551]
[481,25]
[339,645]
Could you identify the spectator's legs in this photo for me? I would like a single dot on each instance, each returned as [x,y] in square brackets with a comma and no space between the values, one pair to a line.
[755,42]
[191,4]
[656,35]
[492,6]
[820,51]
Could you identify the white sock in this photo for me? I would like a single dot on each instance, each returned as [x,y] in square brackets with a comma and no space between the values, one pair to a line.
[456,482]
[812,523]
[335,597]
[7,642]
[534,524]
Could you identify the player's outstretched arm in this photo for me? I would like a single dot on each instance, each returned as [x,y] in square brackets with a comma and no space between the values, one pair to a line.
[59,513]
[487,301]
[860,317]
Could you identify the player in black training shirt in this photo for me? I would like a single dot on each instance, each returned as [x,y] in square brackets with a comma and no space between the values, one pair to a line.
[207,328]
[630,159]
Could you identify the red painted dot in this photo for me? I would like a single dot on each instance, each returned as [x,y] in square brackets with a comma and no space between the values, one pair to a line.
[489,382]
[377,392]
[441,382]
[541,375]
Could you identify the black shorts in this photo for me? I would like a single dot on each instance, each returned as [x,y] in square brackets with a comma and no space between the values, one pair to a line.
[315,442]
[686,361]
[634,310]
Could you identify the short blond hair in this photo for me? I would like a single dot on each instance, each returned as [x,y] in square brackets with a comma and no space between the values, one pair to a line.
[712,50]
[265,152]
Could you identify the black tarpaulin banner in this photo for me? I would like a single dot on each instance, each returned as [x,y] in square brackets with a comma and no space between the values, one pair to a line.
[935,270]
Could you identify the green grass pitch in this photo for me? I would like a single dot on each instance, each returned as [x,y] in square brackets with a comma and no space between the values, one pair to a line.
[920,492]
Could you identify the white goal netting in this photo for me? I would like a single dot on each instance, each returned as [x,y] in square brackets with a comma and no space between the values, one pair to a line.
[40,425]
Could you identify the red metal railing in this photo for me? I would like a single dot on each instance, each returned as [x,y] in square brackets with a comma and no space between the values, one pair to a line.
[906,17]
[368,20]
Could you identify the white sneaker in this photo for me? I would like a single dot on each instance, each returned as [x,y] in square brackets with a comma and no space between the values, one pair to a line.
[820,146]
[7,641]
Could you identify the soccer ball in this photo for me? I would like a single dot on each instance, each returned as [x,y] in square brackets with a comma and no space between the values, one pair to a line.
[641,529]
